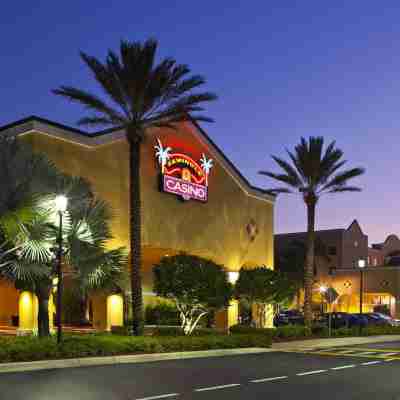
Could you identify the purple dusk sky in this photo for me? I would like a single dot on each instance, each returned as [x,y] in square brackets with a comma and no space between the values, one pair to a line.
[281,72]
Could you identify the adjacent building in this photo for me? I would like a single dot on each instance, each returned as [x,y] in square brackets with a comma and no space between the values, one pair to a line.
[194,200]
[337,265]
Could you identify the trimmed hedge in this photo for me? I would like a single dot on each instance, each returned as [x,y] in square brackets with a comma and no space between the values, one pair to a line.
[162,313]
[282,332]
[32,349]
[164,331]
[317,331]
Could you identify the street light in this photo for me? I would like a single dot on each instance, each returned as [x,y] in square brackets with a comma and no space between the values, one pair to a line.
[361,266]
[61,203]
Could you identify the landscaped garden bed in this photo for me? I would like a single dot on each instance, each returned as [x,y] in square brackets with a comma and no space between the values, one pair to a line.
[14,349]
[299,332]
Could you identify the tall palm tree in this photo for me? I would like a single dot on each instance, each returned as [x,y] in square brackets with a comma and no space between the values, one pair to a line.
[312,172]
[140,94]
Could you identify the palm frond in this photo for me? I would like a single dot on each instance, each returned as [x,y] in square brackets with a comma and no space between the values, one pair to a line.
[345,189]
[143,93]
[289,180]
[342,178]
[91,102]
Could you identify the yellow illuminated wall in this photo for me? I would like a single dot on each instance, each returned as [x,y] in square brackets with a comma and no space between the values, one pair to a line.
[115,311]
[216,229]
[28,312]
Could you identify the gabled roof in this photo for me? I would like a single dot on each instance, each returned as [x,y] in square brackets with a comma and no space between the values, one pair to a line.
[356,225]
[63,132]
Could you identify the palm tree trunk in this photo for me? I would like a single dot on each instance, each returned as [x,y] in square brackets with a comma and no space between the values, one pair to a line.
[83,299]
[136,238]
[43,290]
[309,269]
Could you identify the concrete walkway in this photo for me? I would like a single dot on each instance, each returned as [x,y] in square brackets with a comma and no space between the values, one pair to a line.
[312,344]
[127,359]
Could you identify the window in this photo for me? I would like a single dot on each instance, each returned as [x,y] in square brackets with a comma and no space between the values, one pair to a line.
[375,262]
[332,250]
[356,244]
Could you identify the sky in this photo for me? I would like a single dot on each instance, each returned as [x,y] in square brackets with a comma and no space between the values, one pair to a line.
[281,69]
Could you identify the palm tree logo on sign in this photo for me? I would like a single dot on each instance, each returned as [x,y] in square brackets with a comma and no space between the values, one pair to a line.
[182,175]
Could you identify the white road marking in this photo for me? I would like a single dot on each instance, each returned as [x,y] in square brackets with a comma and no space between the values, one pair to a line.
[390,354]
[276,378]
[217,387]
[371,363]
[161,396]
[344,351]
[320,371]
[343,367]
[391,359]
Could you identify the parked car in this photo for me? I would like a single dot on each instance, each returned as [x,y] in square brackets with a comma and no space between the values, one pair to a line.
[289,317]
[380,319]
[345,320]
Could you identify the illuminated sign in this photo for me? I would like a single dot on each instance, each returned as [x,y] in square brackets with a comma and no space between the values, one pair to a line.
[182,175]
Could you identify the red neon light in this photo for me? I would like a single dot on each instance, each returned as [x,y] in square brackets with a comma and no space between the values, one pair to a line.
[198,169]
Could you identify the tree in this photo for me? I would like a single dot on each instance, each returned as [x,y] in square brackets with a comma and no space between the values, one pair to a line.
[108,275]
[197,286]
[312,172]
[291,261]
[85,233]
[262,286]
[139,95]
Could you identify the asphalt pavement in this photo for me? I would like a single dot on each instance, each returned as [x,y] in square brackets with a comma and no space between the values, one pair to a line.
[283,375]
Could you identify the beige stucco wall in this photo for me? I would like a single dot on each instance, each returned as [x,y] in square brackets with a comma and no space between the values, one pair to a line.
[216,229]
[8,302]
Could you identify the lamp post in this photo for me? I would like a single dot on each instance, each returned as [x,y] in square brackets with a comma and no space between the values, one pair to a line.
[361,266]
[322,291]
[61,203]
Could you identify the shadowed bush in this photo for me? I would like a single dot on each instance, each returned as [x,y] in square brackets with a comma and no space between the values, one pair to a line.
[32,349]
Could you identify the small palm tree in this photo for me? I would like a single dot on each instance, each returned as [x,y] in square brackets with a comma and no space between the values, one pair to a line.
[140,95]
[163,154]
[206,165]
[313,171]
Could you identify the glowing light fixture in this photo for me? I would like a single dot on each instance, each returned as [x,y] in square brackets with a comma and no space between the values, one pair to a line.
[61,203]
[233,276]
[323,289]
[361,263]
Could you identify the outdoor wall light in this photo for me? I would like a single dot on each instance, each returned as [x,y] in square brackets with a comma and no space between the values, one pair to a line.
[323,289]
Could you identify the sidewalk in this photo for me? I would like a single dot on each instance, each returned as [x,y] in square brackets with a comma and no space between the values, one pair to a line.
[312,344]
[127,359]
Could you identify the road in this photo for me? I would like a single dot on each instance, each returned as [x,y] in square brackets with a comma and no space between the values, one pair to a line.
[282,375]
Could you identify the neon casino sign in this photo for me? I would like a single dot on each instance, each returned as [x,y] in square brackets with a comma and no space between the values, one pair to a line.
[183,176]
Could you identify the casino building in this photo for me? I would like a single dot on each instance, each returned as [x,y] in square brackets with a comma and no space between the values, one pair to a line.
[193,200]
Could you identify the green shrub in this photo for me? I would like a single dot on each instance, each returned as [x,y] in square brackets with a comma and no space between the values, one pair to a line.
[177,331]
[282,332]
[292,331]
[122,330]
[249,330]
[32,348]
[162,313]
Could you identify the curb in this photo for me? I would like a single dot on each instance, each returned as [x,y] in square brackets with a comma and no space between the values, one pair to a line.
[127,359]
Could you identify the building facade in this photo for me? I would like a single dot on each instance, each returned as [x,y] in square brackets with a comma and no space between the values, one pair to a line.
[189,203]
[339,268]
